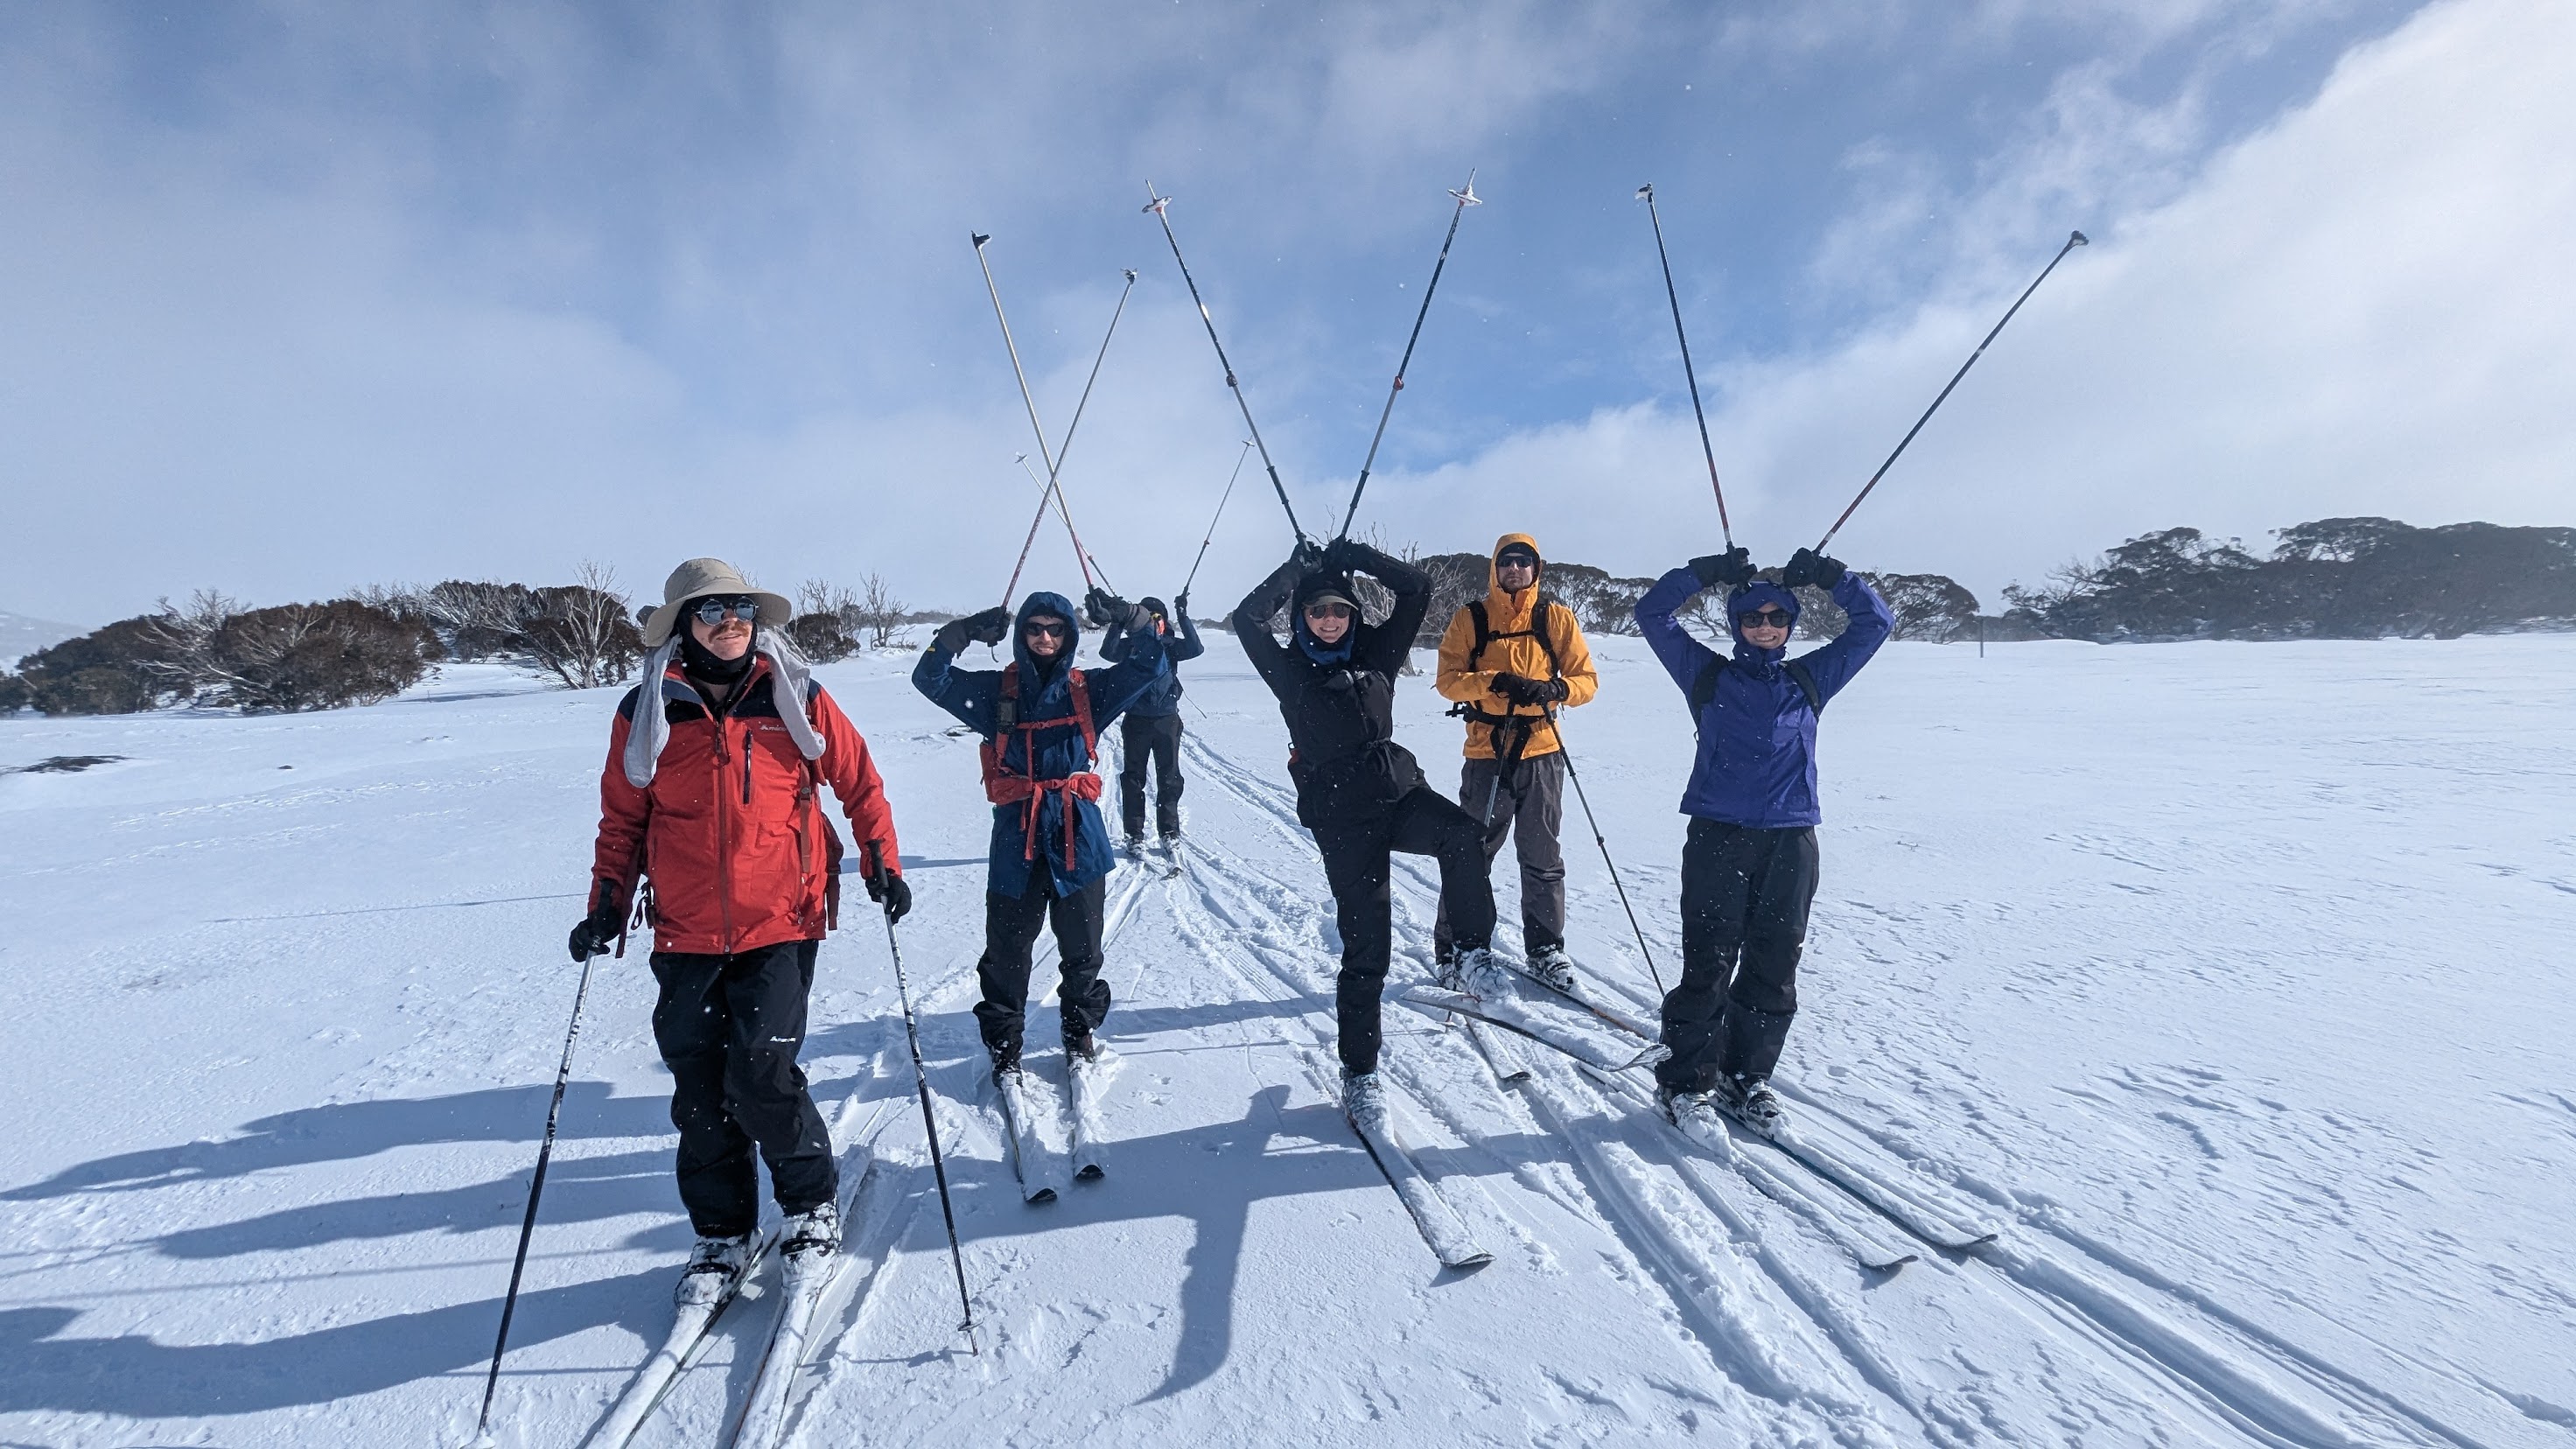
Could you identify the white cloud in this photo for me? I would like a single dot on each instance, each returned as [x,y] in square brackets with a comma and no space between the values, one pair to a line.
[2357,310]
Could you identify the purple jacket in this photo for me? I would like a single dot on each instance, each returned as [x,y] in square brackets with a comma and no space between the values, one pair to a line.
[1757,734]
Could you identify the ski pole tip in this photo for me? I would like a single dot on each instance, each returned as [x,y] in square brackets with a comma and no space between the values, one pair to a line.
[1131,276]
[2078,239]
[980,237]
[1646,192]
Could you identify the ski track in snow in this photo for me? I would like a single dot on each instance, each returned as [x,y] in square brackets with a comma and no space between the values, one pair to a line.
[2115,949]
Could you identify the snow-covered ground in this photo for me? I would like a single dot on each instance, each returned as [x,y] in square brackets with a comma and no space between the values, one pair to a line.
[2230,979]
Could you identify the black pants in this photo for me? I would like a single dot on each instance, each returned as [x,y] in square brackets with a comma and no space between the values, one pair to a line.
[729,1028]
[1528,806]
[1011,928]
[1356,863]
[1157,738]
[1745,894]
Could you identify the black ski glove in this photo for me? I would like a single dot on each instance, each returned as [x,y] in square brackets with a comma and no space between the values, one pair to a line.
[1106,608]
[989,627]
[1807,566]
[1308,555]
[1180,606]
[1520,689]
[1547,691]
[1732,568]
[1340,554]
[598,930]
[1513,688]
[888,890]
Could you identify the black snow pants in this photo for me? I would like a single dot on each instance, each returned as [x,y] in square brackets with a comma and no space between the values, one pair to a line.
[1356,864]
[729,1028]
[1745,894]
[1528,806]
[1158,738]
[1011,928]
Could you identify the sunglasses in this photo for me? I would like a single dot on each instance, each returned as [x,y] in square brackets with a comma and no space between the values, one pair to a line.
[1516,561]
[1328,611]
[716,611]
[1765,618]
[1048,628]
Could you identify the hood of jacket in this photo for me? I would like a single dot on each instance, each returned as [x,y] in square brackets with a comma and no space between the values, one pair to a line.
[1505,609]
[1323,581]
[1032,668]
[1751,598]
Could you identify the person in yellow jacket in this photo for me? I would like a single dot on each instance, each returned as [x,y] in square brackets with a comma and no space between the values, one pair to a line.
[1509,660]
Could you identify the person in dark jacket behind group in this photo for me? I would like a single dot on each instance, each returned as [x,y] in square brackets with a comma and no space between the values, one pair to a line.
[1040,719]
[1359,791]
[1749,862]
[710,790]
[1152,729]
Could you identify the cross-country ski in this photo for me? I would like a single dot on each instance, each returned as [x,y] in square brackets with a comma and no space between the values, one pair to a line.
[1880,759]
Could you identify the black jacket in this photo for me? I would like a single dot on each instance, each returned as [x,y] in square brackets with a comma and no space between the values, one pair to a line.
[1340,708]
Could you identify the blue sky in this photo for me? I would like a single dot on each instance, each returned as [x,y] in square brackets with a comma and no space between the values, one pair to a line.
[299,297]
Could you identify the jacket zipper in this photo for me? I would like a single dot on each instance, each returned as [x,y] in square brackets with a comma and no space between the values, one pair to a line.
[724,848]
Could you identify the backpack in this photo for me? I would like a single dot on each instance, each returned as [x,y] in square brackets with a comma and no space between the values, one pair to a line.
[1537,630]
[1704,688]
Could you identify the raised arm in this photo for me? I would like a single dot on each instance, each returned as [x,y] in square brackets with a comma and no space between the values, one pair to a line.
[969,694]
[1183,642]
[1682,656]
[1871,621]
[1390,642]
[1141,652]
[1252,617]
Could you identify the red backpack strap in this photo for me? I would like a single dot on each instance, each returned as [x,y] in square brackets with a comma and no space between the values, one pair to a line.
[1082,714]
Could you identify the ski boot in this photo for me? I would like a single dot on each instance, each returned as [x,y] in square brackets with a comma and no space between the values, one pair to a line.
[1134,850]
[1081,1045]
[1696,1114]
[1006,1059]
[811,1238]
[1751,1101]
[715,1266]
[1553,968]
[1364,1102]
[1479,974]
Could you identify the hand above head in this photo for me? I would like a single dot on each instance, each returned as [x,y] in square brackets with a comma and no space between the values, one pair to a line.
[1807,566]
[989,627]
[1103,607]
[888,890]
[1308,555]
[598,930]
[1733,568]
[1180,606]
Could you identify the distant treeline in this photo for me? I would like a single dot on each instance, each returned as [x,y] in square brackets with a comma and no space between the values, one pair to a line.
[2337,578]
[377,642]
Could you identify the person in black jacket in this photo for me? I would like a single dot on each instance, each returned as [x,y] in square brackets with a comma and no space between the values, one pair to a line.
[1357,789]
[1150,731]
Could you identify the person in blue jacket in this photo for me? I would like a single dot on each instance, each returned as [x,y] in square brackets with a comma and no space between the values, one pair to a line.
[1040,719]
[1151,730]
[1749,862]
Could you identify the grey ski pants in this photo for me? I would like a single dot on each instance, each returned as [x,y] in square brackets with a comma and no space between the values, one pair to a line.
[1529,806]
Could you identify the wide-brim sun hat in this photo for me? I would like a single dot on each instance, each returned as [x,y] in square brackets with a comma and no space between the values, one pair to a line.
[700,577]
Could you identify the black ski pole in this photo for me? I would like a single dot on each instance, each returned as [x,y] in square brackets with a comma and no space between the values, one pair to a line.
[2074,239]
[1589,819]
[1160,206]
[1054,458]
[1220,515]
[536,1189]
[929,1123]
[1646,194]
[1465,197]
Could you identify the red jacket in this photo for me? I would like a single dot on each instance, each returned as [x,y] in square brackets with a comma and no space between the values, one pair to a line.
[731,830]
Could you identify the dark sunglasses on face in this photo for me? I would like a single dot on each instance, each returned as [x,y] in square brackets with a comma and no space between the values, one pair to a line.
[1328,611]
[1048,628]
[715,611]
[1765,618]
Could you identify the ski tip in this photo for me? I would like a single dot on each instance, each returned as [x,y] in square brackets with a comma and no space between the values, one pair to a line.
[1467,1262]
[1091,1172]
[1042,1195]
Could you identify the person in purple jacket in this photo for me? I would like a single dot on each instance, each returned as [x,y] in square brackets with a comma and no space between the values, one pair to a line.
[1749,862]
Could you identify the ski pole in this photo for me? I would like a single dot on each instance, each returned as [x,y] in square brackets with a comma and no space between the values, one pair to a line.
[1590,819]
[2074,239]
[1220,514]
[1646,194]
[1035,519]
[1054,457]
[536,1188]
[1465,197]
[929,1123]
[1049,489]
[1159,205]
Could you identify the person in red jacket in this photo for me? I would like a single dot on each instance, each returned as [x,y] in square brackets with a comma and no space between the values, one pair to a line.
[711,794]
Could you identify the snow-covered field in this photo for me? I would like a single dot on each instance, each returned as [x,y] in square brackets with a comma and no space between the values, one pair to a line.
[2230,979]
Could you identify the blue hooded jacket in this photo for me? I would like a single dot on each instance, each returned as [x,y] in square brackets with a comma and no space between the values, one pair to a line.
[972,694]
[1757,736]
[1180,641]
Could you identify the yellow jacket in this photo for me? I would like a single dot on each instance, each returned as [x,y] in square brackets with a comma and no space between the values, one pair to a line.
[1508,614]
